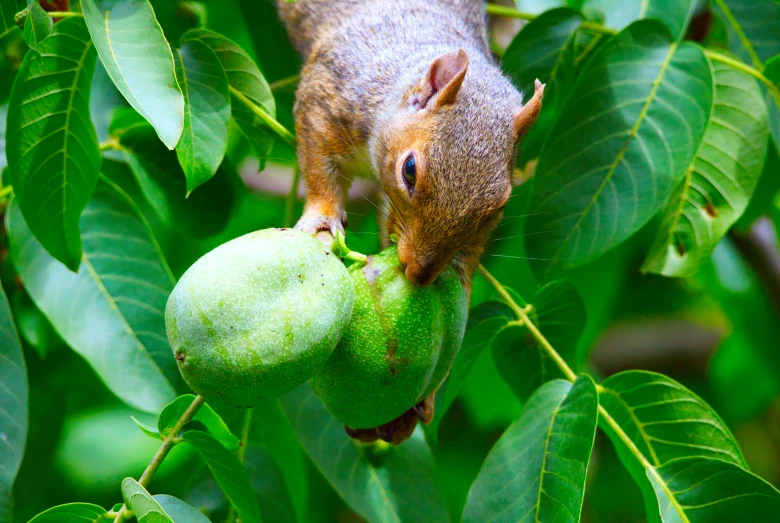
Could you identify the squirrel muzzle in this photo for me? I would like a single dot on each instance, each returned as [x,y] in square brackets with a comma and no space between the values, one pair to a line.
[421,270]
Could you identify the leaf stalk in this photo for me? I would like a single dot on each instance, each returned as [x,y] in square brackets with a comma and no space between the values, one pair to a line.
[269,120]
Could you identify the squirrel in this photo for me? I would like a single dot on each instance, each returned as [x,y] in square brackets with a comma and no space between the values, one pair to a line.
[415,83]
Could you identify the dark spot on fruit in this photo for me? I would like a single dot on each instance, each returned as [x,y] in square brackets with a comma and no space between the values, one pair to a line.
[711,211]
[219,394]
[284,229]
[180,356]
[300,278]
[231,326]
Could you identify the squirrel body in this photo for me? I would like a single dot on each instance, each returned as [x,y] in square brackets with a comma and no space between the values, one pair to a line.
[415,83]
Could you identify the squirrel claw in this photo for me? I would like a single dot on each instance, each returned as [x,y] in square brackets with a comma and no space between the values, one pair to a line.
[312,224]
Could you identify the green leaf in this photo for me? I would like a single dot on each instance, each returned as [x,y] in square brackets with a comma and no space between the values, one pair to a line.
[146,429]
[717,186]
[485,321]
[71,513]
[51,144]
[543,50]
[202,213]
[229,473]
[145,507]
[245,77]
[37,25]
[13,406]
[630,128]
[523,364]
[205,415]
[618,14]
[8,10]
[272,429]
[111,312]
[772,73]
[663,421]
[705,490]
[138,59]
[381,483]
[179,511]
[269,485]
[537,469]
[752,28]
[206,112]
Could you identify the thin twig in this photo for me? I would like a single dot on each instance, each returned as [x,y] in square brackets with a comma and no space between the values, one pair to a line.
[65,14]
[755,73]
[511,12]
[284,83]
[603,413]
[167,445]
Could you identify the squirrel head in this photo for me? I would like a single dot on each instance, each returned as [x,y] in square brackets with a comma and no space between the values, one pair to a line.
[445,160]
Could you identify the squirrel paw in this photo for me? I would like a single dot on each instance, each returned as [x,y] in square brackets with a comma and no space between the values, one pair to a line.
[314,223]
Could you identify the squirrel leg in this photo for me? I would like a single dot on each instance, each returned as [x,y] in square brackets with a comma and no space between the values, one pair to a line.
[324,209]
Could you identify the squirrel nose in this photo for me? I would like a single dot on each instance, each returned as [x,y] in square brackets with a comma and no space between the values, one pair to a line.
[421,274]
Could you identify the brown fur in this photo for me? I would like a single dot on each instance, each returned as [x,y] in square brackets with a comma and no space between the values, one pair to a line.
[408,75]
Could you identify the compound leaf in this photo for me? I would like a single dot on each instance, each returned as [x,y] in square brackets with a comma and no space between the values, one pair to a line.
[625,137]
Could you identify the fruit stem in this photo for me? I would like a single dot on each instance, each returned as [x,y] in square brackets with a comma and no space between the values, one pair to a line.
[168,442]
[340,249]
[522,315]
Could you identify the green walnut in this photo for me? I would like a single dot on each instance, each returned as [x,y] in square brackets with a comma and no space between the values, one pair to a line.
[398,347]
[255,317]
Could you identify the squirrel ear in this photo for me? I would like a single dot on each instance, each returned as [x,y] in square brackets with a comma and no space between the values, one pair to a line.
[527,114]
[442,81]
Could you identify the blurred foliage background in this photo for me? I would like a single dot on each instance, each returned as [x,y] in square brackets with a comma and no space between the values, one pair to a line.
[716,332]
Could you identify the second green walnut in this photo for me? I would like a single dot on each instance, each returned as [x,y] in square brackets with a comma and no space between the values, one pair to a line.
[398,347]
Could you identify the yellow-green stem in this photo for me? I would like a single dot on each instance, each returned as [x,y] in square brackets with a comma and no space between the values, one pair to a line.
[166,446]
[269,120]
[522,315]
[755,73]
[511,12]
[284,83]
[5,192]
[65,14]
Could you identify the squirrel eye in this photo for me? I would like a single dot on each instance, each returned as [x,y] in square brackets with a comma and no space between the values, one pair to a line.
[410,172]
